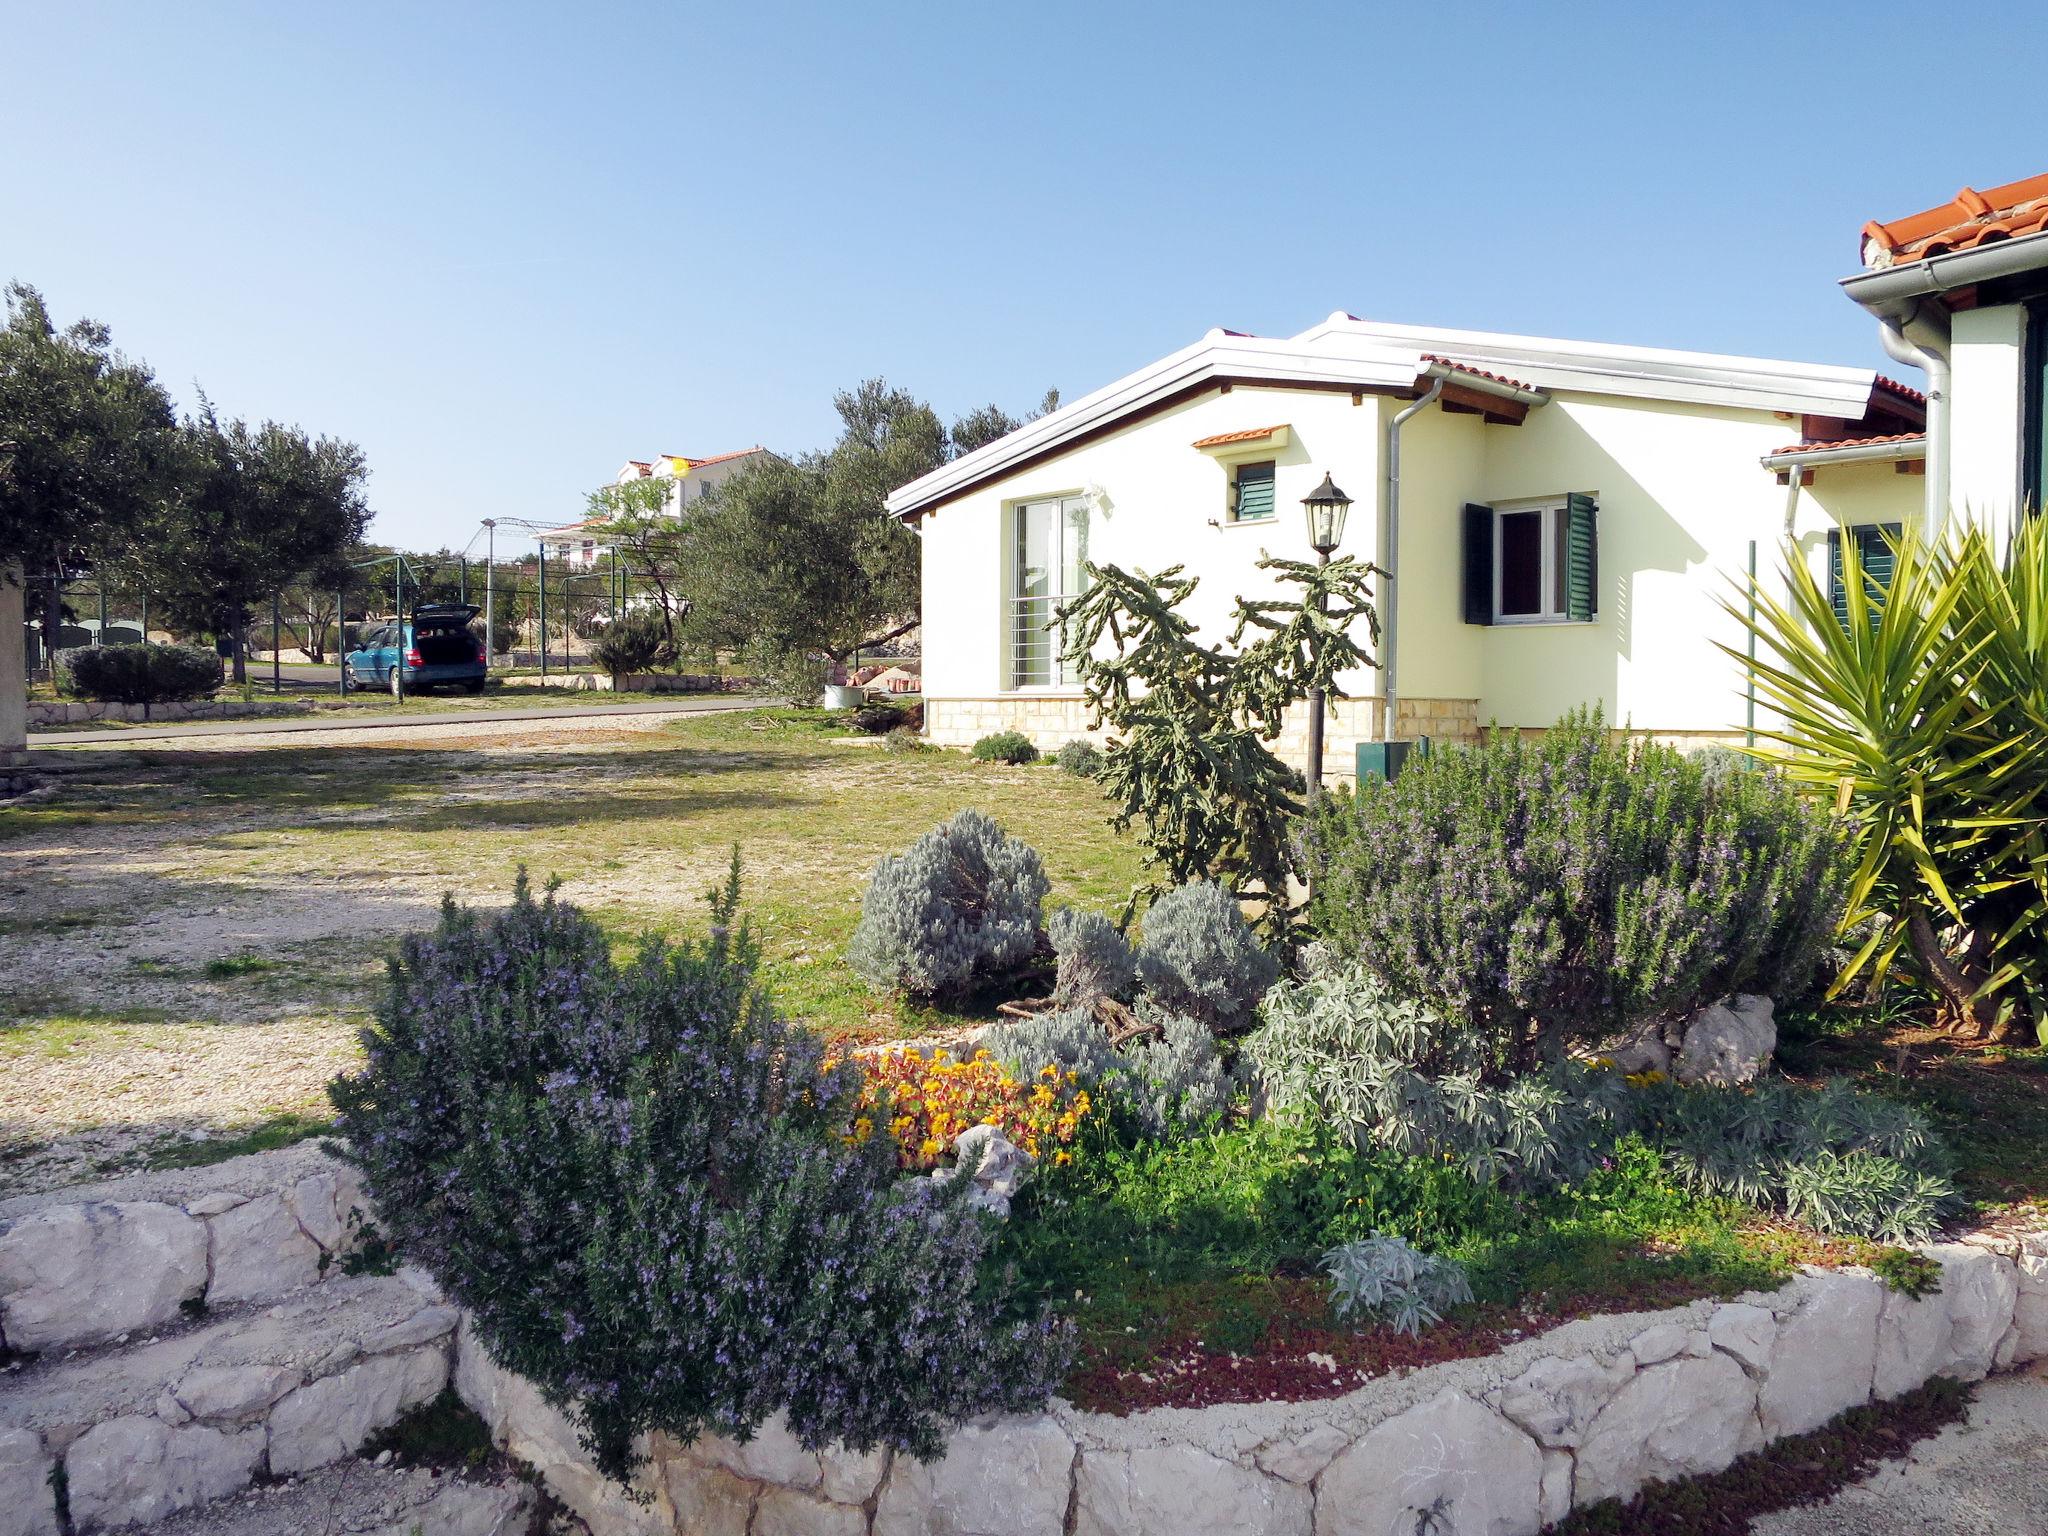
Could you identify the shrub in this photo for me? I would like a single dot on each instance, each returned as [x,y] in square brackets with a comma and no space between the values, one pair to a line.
[1559,889]
[877,719]
[137,674]
[633,642]
[906,741]
[922,1100]
[1152,1087]
[1199,958]
[961,906]
[1095,960]
[1081,758]
[1383,1278]
[1012,747]
[636,1176]
[1340,1050]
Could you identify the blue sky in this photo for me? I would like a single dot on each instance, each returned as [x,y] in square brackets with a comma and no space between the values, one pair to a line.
[506,246]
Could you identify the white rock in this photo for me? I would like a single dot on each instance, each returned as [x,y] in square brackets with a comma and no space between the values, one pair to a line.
[233,1391]
[850,1476]
[1983,1292]
[312,1204]
[2030,1311]
[1005,1477]
[707,1502]
[423,1327]
[219,1203]
[1556,1400]
[998,1167]
[1745,1332]
[470,1509]
[328,1419]
[1645,1053]
[260,1251]
[1825,1355]
[75,1274]
[773,1455]
[1912,1341]
[1302,1459]
[1555,1499]
[1655,1345]
[1169,1490]
[28,1505]
[1728,1043]
[1450,1460]
[1677,1419]
[137,1471]
[785,1512]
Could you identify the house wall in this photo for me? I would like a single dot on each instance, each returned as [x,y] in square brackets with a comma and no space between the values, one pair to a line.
[1681,494]
[1986,392]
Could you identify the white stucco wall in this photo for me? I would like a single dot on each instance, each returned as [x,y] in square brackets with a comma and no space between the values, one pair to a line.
[1681,494]
[1987,355]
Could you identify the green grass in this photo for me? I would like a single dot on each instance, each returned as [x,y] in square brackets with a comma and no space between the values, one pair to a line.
[284,1129]
[227,967]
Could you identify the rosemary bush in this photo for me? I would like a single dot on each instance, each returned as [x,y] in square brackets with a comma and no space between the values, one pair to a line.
[1554,891]
[961,906]
[636,1177]
[1080,757]
[1012,747]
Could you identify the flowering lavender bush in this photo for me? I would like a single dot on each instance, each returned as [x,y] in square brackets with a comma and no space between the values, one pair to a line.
[637,1177]
[1555,890]
[959,907]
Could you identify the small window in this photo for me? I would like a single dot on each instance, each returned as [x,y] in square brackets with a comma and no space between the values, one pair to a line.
[1532,563]
[1251,492]
[1874,545]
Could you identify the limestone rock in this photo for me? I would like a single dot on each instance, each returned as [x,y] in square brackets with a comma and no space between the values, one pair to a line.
[1729,1042]
[328,1419]
[259,1250]
[312,1204]
[219,1203]
[1449,1461]
[1174,1489]
[1001,1477]
[1655,1345]
[773,1455]
[851,1477]
[2030,1310]
[136,1471]
[1745,1332]
[1983,1291]
[707,1501]
[998,1167]
[1302,1459]
[1677,1419]
[785,1512]
[1912,1341]
[1556,1495]
[1825,1354]
[470,1509]
[28,1505]
[1557,1400]
[1646,1052]
[76,1274]
[423,1327]
[233,1391]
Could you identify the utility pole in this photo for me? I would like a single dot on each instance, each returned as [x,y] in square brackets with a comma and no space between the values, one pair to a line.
[490,571]
[542,585]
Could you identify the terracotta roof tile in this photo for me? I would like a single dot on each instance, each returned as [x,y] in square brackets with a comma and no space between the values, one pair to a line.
[1249,435]
[1479,373]
[1970,218]
[720,458]
[1903,391]
[1816,445]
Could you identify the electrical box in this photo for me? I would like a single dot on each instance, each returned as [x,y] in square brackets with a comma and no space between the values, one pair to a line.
[1386,759]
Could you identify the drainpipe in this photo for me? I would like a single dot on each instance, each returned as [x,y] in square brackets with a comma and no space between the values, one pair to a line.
[1390,590]
[1921,341]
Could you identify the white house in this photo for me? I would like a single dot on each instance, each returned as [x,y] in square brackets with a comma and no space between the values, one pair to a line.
[1563,519]
[578,545]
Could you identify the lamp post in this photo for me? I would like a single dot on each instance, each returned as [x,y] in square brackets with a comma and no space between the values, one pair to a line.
[490,574]
[1327,507]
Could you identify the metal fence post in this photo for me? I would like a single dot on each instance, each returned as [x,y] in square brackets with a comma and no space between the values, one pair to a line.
[543,594]
[276,639]
[341,637]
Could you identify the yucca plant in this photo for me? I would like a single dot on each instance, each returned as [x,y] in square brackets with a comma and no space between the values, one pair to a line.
[1926,715]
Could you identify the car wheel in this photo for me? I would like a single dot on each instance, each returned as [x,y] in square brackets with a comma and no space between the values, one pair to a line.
[348,681]
[473,688]
[397,684]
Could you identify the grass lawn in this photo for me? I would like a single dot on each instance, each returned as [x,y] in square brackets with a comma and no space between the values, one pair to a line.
[375,705]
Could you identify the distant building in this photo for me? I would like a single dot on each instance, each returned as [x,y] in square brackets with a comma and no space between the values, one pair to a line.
[578,545]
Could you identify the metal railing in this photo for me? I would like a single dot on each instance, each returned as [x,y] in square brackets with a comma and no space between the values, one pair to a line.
[1038,643]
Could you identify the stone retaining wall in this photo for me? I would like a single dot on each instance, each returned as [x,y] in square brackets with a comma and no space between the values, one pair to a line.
[1494,1446]
[629,682]
[44,713]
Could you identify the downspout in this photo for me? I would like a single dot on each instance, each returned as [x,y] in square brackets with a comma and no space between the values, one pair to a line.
[1390,598]
[1928,352]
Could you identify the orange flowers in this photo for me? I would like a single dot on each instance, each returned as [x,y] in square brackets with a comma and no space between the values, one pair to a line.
[924,1102]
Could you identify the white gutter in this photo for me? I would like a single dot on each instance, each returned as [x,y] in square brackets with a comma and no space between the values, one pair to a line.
[1860,453]
[1390,596]
[1886,288]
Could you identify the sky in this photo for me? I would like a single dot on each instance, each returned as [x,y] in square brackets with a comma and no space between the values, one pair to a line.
[506,247]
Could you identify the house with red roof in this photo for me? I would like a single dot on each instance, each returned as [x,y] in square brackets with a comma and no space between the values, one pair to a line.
[1561,521]
[688,479]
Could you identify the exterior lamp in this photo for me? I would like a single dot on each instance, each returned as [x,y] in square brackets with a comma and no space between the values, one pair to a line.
[1327,508]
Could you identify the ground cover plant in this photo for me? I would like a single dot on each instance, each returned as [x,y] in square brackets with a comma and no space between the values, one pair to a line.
[637,1176]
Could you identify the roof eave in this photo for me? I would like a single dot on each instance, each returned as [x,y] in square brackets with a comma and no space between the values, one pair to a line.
[1886,290]
[1867,453]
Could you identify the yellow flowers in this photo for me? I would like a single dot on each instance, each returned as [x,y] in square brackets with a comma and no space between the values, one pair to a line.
[927,1101]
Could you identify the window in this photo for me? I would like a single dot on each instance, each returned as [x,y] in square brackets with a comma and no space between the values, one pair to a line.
[1251,492]
[1532,562]
[1051,557]
[1873,553]
[2034,399]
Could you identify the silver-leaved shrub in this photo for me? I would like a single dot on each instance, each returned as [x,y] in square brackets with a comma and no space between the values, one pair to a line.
[1384,1279]
[1199,959]
[1152,1087]
[1093,960]
[960,907]
[636,1178]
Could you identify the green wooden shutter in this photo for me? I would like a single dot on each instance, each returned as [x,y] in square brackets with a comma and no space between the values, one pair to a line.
[1838,593]
[1254,492]
[1581,556]
[1876,557]
[1478,564]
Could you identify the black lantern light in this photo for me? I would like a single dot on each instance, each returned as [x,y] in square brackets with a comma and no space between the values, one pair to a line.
[1327,508]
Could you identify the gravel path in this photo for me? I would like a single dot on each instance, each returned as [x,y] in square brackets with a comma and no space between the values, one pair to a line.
[1988,1473]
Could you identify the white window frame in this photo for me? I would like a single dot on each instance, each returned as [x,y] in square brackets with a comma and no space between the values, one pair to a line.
[1012,573]
[1554,513]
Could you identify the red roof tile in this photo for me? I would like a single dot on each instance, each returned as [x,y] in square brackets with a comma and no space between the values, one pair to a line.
[720,458]
[1249,435]
[1814,445]
[1970,218]
[1478,373]
[1903,391]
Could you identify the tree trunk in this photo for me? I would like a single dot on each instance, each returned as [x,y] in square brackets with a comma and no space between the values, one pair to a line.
[1957,989]
[52,622]
[236,649]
